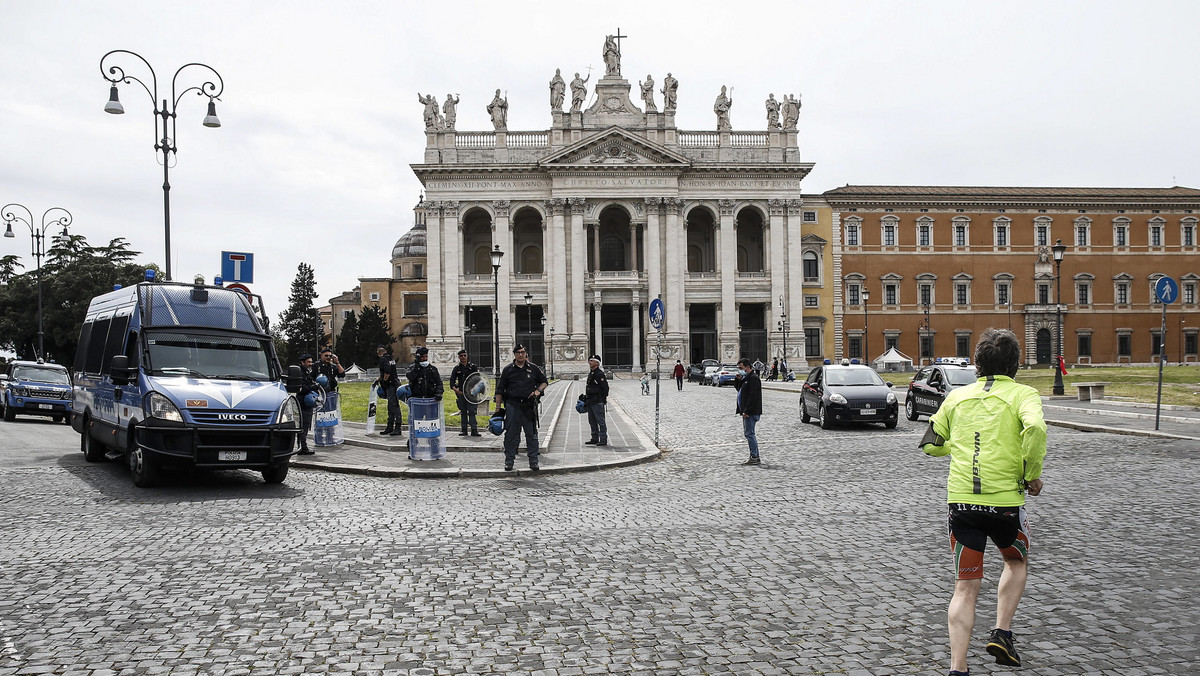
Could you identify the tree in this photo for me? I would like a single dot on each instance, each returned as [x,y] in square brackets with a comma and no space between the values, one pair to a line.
[72,274]
[347,343]
[300,325]
[372,332]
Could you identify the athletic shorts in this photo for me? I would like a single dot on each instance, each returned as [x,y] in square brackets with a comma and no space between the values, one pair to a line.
[970,526]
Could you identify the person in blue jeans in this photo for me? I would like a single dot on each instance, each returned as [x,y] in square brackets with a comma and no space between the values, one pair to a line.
[749,405]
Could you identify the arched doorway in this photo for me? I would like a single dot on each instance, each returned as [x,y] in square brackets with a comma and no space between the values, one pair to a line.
[527,242]
[477,242]
[750,255]
[701,241]
[1044,346]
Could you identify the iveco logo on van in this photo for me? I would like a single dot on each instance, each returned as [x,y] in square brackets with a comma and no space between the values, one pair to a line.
[232,416]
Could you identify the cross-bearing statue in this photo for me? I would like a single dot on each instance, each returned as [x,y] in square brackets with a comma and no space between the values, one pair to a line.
[612,56]
[578,92]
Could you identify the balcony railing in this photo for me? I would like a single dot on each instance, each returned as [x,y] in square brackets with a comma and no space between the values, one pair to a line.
[473,139]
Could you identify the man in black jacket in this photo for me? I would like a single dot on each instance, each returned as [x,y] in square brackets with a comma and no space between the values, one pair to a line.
[749,405]
[390,381]
[306,413]
[522,385]
[595,394]
[466,410]
[423,378]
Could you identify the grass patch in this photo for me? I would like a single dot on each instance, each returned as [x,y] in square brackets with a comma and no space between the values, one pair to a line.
[1181,384]
[354,406]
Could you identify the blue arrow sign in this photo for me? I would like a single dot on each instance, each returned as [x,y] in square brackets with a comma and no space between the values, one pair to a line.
[657,313]
[1166,290]
[237,267]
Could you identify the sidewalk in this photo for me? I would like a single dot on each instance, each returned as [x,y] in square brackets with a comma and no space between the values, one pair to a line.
[561,433]
[1123,417]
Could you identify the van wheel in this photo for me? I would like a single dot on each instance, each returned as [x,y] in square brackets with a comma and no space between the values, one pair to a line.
[910,409]
[9,414]
[804,416]
[275,474]
[143,470]
[92,451]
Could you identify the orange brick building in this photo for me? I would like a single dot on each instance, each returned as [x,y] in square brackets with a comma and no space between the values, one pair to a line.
[927,268]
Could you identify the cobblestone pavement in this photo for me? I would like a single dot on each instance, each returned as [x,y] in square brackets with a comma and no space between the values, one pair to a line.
[830,558]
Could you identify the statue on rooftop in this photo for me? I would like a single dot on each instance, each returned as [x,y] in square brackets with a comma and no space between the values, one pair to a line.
[498,109]
[648,94]
[558,88]
[791,112]
[450,107]
[612,56]
[772,113]
[433,118]
[578,92]
[721,107]
[670,84]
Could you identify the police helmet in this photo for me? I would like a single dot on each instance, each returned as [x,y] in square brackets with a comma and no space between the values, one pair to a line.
[580,405]
[496,422]
[322,380]
[403,392]
[310,400]
[380,390]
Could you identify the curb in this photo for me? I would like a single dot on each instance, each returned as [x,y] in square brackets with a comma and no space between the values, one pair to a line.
[1084,427]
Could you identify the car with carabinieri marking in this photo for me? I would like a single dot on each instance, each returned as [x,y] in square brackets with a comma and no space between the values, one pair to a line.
[931,384]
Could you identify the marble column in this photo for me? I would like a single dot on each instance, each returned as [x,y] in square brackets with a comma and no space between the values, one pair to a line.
[636,308]
[579,275]
[452,263]
[437,280]
[597,325]
[503,235]
[653,248]
[795,284]
[554,258]
[676,259]
[779,270]
[728,267]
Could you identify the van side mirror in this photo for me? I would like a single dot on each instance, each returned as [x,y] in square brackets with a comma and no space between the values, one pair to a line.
[295,379]
[119,369]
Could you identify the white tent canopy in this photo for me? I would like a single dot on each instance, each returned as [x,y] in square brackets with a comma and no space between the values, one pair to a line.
[892,361]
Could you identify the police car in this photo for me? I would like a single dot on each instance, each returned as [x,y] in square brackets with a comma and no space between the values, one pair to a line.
[35,388]
[931,384]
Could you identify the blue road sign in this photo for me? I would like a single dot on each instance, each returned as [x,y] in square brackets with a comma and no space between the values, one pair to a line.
[1166,290]
[237,267]
[657,314]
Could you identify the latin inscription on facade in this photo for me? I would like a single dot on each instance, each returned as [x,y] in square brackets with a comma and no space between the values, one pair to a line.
[483,185]
[779,183]
[615,182]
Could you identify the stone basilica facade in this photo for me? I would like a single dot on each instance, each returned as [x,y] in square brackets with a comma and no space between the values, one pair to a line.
[608,209]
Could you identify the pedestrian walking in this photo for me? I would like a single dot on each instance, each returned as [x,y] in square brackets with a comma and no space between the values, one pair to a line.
[389,381]
[306,412]
[758,367]
[678,374]
[466,410]
[995,435]
[595,394]
[424,381]
[522,385]
[749,405]
[774,369]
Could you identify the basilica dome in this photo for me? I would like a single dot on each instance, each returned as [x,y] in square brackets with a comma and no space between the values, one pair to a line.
[412,243]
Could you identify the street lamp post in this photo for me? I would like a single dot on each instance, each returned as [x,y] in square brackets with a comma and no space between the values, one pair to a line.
[164,117]
[866,295]
[783,328]
[529,321]
[551,352]
[497,255]
[1181,323]
[543,334]
[38,234]
[1059,250]
[928,335]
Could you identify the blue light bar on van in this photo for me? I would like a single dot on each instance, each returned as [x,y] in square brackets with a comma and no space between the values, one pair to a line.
[116,287]
[218,281]
[149,275]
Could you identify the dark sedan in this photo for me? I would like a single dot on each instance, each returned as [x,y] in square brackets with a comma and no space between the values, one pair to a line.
[695,372]
[931,384]
[840,394]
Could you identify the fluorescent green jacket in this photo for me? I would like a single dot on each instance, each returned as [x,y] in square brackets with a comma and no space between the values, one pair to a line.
[996,439]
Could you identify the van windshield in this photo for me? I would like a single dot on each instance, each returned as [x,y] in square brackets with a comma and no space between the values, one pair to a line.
[41,374]
[207,356]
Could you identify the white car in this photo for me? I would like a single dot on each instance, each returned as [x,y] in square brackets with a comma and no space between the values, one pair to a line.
[725,375]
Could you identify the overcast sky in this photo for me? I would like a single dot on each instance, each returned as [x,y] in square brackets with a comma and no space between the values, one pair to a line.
[321,119]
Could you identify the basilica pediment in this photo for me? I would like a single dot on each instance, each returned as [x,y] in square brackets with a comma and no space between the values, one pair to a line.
[614,147]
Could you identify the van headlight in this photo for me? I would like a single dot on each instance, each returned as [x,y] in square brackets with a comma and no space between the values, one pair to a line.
[289,412]
[158,406]
[891,398]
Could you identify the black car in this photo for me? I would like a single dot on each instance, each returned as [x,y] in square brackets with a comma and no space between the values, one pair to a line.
[835,394]
[695,372]
[931,384]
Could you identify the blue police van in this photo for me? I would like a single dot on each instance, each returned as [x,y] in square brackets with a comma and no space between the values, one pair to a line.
[35,388]
[183,375]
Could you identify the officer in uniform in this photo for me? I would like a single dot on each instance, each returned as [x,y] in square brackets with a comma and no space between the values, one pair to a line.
[595,394]
[330,368]
[521,386]
[306,413]
[423,377]
[467,410]
[390,382]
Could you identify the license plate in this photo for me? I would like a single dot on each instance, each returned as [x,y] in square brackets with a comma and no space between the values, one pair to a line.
[231,455]
[48,407]
[867,411]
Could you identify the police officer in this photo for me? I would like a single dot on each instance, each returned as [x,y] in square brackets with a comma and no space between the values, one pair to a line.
[423,377]
[306,413]
[466,410]
[330,368]
[389,381]
[595,397]
[521,386]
